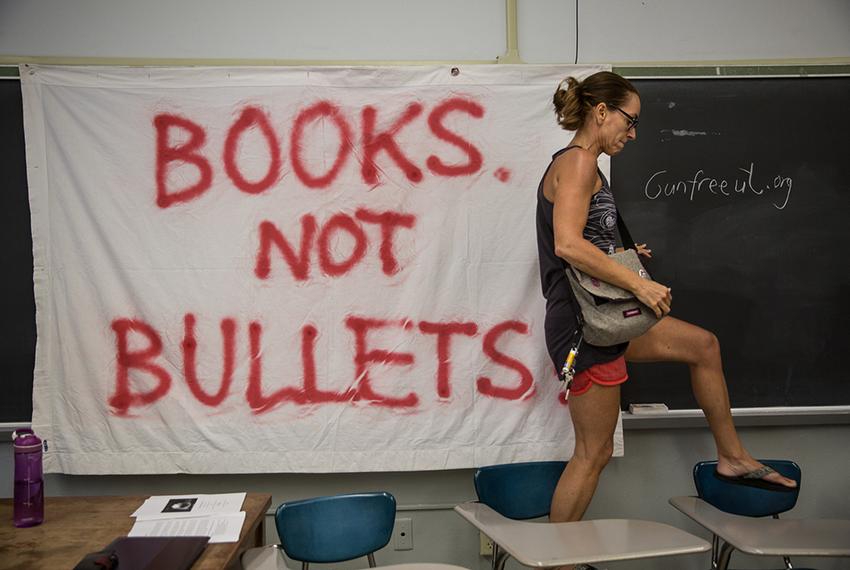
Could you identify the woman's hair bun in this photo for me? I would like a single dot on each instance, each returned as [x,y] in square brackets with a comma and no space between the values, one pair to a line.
[574,99]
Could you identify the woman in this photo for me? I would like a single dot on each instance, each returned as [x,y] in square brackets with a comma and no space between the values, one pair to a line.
[576,217]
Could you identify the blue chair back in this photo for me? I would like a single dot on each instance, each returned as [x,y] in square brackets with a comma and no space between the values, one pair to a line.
[335,528]
[519,491]
[744,500]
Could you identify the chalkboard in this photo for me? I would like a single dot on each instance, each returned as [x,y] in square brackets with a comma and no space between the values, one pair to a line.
[741,187]
[17,303]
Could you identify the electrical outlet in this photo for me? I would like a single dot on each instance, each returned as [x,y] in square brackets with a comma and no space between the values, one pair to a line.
[486,544]
[403,534]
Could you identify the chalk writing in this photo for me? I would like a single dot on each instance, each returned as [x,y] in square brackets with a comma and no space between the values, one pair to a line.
[687,133]
[778,189]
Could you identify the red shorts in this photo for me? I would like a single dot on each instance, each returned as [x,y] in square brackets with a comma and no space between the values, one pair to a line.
[605,374]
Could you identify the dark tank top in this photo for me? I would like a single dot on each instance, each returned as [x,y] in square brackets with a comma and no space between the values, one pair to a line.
[561,324]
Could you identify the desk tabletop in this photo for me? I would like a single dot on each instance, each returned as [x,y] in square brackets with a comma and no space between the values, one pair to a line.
[769,536]
[420,566]
[544,545]
[75,526]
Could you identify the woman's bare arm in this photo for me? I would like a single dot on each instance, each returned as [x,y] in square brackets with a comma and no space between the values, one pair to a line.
[570,184]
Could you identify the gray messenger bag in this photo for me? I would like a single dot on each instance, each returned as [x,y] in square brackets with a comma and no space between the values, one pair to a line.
[611,315]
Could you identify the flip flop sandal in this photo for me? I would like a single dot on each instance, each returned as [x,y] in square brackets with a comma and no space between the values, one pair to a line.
[755,479]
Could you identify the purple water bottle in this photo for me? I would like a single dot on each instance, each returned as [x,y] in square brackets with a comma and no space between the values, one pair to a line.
[29,483]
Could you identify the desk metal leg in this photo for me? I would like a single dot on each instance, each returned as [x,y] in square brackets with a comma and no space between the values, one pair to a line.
[500,557]
[725,553]
[715,550]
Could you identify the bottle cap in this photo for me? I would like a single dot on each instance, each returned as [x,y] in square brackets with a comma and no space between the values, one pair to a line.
[25,440]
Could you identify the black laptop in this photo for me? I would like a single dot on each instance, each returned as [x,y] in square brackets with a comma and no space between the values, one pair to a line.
[147,553]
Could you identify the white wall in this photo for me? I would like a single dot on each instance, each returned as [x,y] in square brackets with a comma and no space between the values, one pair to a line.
[683,30]
[255,29]
[657,462]
[610,31]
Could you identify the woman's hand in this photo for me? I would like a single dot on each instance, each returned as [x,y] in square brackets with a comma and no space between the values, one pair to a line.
[656,296]
[640,248]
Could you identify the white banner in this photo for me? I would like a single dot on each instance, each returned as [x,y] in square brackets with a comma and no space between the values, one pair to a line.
[291,269]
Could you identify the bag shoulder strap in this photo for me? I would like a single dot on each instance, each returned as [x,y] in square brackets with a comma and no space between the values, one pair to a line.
[628,242]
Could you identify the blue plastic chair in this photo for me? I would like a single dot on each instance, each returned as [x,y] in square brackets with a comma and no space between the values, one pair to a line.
[518,491]
[744,500]
[336,528]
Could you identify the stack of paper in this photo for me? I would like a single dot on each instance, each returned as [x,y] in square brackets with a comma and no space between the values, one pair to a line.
[219,517]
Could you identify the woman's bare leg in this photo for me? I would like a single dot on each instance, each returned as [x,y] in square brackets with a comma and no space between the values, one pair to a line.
[594,415]
[674,340]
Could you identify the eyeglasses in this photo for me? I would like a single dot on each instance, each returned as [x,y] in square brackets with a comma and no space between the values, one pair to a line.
[633,121]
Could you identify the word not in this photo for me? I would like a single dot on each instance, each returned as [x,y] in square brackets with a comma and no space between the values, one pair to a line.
[170,154]
[340,224]
[654,189]
[145,358]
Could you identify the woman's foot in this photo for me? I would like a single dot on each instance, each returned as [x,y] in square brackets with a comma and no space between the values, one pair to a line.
[749,466]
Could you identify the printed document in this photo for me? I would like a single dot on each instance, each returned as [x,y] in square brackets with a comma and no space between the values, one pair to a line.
[189,505]
[220,528]
[218,516]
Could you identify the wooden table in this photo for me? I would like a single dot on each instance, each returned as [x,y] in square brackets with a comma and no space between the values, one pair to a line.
[75,526]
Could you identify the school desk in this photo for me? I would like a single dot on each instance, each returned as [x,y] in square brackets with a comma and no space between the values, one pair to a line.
[420,566]
[769,536]
[545,545]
